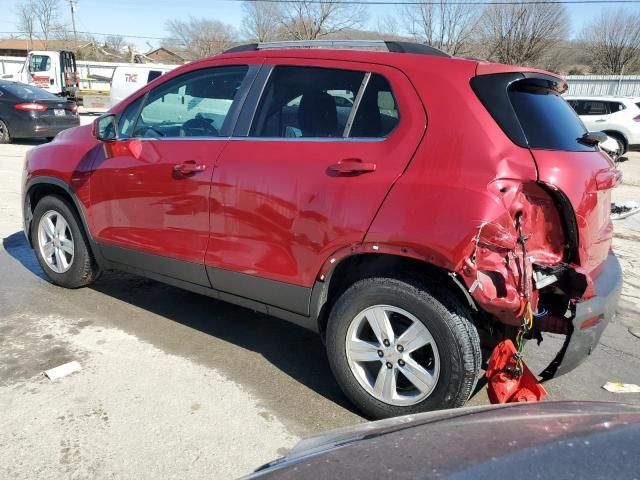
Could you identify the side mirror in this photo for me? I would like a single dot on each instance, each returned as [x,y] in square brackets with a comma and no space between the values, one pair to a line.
[105,128]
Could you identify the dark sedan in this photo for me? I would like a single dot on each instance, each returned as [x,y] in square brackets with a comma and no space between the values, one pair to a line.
[30,112]
[546,440]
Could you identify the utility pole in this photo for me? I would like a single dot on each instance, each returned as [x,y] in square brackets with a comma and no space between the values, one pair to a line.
[72,4]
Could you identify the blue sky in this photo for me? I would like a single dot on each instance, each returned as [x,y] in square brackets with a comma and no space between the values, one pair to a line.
[148,17]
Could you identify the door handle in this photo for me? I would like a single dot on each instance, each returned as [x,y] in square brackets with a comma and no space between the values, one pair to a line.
[189,167]
[351,166]
[600,120]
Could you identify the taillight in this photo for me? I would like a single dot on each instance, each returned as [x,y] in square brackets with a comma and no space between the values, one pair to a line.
[34,107]
[74,107]
[636,118]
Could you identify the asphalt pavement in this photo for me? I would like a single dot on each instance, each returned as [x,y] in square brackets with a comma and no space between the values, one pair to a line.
[174,384]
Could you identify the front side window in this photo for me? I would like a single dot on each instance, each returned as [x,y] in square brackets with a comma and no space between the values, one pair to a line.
[195,104]
[128,117]
[39,63]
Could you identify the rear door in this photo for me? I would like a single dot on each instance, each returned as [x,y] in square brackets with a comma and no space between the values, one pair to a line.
[305,173]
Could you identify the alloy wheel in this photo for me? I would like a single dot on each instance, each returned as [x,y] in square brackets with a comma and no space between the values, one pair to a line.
[392,355]
[55,241]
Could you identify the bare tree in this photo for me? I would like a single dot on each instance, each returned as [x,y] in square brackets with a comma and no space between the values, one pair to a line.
[47,14]
[261,21]
[200,37]
[521,33]
[444,25]
[26,20]
[308,20]
[114,44]
[612,42]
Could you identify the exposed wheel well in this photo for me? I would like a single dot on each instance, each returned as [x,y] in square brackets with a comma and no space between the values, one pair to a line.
[368,265]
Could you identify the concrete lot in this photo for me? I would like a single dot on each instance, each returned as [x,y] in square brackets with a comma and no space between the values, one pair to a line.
[178,385]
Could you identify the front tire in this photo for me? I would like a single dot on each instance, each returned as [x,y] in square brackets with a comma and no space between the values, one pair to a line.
[399,347]
[61,245]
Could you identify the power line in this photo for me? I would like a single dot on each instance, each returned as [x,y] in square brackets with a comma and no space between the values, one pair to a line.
[97,33]
[467,2]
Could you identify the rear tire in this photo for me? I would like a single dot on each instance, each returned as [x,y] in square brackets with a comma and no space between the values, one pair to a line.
[61,245]
[4,133]
[450,364]
[622,145]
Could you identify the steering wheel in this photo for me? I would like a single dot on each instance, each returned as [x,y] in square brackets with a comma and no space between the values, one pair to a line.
[199,127]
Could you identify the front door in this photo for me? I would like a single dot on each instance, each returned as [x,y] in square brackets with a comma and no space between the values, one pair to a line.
[150,192]
[307,176]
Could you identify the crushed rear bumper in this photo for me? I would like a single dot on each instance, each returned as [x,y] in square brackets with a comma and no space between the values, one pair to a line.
[590,319]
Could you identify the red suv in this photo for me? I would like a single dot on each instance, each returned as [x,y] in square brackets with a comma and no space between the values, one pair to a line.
[402,203]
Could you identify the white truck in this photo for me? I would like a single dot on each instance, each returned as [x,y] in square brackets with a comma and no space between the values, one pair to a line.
[53,71]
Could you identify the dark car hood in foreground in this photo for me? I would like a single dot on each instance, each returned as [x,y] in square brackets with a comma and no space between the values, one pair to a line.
[584,440]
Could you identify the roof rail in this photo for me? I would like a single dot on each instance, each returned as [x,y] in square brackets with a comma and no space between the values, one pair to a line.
[375,45]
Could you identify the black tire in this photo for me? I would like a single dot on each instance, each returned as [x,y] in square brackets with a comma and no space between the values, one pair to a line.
[83,270]
[4,133]
[446,318]
[622,145]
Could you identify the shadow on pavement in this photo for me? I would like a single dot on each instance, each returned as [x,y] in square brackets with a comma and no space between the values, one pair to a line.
[29,141]
[295,351]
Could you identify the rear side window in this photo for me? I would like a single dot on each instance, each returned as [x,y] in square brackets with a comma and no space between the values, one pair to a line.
[530,111]
[616,107]
[316,102]
[546,119]
[306,102]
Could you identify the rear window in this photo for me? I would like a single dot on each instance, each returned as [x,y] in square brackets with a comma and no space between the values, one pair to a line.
[27,92]
[547,121]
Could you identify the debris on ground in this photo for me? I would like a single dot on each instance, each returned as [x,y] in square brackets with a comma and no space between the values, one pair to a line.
[509,379]
[62,370]
[619,387]
[624,210]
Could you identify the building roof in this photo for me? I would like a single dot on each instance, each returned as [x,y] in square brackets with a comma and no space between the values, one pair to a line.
[26,44]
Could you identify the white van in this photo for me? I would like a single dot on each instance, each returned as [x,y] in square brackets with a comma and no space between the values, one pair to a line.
[128,79]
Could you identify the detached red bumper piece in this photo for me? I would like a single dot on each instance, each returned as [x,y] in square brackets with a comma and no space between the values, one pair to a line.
[505,384]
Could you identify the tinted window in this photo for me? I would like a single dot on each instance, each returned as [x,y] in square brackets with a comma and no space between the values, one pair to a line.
[615,107]
[593,107]
[39,63]
[377,113]
[306,102]
[27,92]
[127,118]
[193,105]
[153,74]
[546,119]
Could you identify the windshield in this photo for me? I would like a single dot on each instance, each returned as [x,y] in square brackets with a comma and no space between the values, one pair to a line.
[27,92]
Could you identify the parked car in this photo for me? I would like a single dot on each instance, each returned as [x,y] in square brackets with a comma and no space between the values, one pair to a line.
[550,440]
[618,117]
[128,79]
[397,239]
[30,112]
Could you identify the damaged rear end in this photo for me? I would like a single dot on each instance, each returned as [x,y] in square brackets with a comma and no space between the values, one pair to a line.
[548,243]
